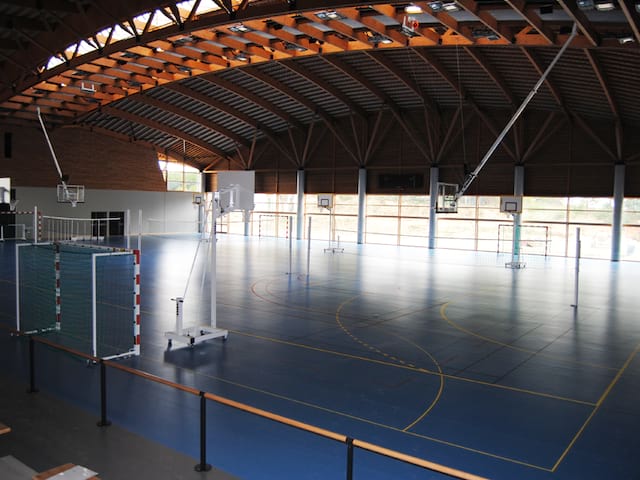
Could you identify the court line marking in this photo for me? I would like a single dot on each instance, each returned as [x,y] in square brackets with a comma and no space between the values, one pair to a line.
[361,419]
[601,400]
[394,358]
[539,353]
[414,369]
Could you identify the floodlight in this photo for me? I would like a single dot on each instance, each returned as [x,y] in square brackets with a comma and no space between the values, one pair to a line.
[451,7]
[329,15]
[435,6]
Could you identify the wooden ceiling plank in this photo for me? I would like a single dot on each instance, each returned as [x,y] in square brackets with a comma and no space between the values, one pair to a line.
[181,112]
[116,112]
[604,84]
[330,89]
[491,71]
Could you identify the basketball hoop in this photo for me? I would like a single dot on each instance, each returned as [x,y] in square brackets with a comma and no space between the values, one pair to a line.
[72,194]
[447,198]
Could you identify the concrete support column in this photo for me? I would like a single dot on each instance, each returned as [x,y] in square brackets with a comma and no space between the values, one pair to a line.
[300,211]
[246,217]
[618,199]
[434,173]
[518,191]
[362,196]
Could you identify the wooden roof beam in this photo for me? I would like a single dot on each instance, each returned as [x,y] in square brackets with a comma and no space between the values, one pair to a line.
[161,127]
[223,107]
[181,112]
[536,65]
[584,24]
[489,69]
[628,7]
[600,75]
[533,19]
[330,89]
[489,21]
[256,99]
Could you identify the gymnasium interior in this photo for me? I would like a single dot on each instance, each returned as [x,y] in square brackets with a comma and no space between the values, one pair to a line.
[293,239]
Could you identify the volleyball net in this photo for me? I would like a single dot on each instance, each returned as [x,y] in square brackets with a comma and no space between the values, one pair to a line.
[88,296]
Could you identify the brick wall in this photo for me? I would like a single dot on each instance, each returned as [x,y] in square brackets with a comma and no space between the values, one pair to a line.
[90,159]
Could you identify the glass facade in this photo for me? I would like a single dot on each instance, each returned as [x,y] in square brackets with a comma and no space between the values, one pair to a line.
[549,224]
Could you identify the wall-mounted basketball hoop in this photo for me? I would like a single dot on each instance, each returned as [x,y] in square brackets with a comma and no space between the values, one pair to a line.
[447,198]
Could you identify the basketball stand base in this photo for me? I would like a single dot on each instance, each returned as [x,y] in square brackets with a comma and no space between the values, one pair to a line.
[194,335]
[515,265]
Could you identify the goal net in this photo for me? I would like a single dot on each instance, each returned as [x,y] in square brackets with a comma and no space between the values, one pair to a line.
[534,239]
[87,296]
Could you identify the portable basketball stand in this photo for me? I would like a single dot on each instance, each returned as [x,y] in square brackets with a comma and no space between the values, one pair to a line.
[513,206]
[226,200]
[326,201]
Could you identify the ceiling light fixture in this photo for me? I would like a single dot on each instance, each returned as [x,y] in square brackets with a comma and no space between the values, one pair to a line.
[377,38]
[329,15]
[585,4]
[625,40]
[412,9]
[605,6]
[239,28]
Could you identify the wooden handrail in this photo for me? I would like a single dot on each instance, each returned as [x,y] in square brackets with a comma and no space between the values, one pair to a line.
[419,462]
[277,418]
[151,377]
[338,437]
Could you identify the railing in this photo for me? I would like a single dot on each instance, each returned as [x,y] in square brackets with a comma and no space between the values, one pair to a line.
[350,443]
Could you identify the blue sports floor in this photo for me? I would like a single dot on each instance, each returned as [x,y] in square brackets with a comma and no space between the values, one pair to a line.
[444,355]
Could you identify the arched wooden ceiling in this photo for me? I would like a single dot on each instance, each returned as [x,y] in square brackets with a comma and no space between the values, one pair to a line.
[204,79]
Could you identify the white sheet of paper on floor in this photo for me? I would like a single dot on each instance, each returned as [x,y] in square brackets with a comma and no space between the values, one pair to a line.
[76,473]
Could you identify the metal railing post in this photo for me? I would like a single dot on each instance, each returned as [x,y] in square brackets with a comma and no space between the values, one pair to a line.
[349,442]
[103,396]
[32,367]
[203,466]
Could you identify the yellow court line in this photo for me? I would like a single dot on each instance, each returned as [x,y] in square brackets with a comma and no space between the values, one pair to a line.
[367,421]
[415,369]
[363,343]
[602,398]
[538,353]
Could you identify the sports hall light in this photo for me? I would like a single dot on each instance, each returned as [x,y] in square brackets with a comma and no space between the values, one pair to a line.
[585,4]
[605,6]
[638,7]
[329,15]
[412,9]
[239,28]
[451,7]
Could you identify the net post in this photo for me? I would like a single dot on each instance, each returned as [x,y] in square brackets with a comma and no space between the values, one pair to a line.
[127,227]
[17,287]
[290,245]
[139,230]
[577,273]
[104,422]
[309,247]
[214,241]
[203,466]
[136,303]
[94,313]
[56,258]
[35,224]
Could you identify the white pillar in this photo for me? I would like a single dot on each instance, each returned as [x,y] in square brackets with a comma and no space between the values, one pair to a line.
[300,212]
[518,191]
[618,199]
[246,216]
[433,202]
[362,196]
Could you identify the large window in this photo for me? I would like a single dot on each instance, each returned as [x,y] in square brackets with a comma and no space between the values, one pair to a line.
[180,177]
[549,224]
[630,247]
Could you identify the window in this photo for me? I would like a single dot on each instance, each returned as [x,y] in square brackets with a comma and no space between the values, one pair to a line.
[180,177]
